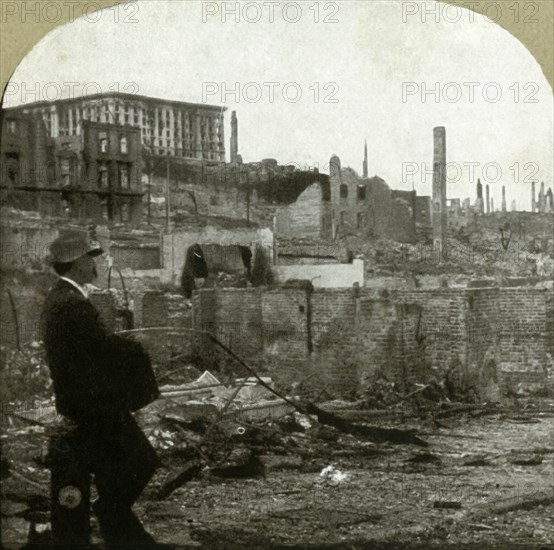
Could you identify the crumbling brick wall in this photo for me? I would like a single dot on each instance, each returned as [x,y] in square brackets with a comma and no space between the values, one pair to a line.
[510,337]
[234,317]
[165,310]
[442,325]
[344,338]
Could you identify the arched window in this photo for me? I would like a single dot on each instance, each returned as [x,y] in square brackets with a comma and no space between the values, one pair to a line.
[343,191]
[123,145]
[362,191]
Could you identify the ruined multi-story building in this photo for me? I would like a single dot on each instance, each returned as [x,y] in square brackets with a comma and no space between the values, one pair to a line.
[190,131]
[83,157]
[92,174]
[350,205]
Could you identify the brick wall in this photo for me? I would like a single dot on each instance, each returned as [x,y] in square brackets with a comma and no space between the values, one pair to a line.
[510,341]
[165,310]
[442,324]
[368,207]
[234,317]
[343,339]
[285,328]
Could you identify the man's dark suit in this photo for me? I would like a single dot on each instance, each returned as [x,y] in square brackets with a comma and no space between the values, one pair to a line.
[91,375]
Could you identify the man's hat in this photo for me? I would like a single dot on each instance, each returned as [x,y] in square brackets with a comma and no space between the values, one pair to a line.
[72,245]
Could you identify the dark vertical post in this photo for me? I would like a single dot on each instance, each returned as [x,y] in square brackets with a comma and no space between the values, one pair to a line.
[168,193]
[439,214]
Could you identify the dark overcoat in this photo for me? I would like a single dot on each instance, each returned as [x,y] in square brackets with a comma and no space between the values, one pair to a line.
[98,379]
[96,375]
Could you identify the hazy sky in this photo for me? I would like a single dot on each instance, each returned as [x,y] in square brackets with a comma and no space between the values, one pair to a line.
[351,74]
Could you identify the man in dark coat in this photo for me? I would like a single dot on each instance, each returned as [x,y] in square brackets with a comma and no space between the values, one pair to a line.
[94,386]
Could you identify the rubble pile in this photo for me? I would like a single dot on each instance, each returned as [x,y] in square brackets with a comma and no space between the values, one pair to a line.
[476,255]
[206,428]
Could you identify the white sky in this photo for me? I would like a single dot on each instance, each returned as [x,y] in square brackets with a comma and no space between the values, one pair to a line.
[371,52]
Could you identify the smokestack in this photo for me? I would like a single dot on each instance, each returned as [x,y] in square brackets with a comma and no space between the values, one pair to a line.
[492,204]
[542,199]
[503,198]
[365,160]
[234,137]
[550,200]
[514,208]
[488,199]
[479,196]
[533,204]
[439,215]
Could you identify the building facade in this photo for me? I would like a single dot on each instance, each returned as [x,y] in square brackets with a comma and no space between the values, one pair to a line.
[189,131]
[350,205]
[94,173]
[368,207]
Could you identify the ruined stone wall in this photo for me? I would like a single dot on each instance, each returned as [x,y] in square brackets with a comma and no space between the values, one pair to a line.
[343,339]
[482,334]
[442,325]
[354,337]
[522,326]
[234,317]
[285,323]
[304,217]
[369,208]
[158,309]
[510,338]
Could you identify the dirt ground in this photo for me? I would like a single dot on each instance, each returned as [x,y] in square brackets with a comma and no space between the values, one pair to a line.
[483,482]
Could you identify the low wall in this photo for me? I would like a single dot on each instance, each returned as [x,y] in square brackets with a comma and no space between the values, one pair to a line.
[498,339]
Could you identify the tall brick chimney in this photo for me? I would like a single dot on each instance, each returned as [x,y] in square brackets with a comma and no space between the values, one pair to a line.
[503,198]
[487,197]
[550,200]
[542,199]
[234,137]
[365,159]
[533,204]
[479,203]
[439,214]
